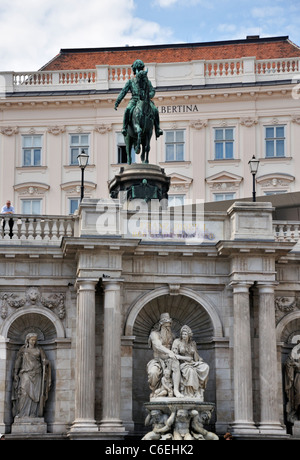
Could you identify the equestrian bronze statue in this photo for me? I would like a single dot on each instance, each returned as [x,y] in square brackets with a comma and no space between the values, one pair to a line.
[141,115]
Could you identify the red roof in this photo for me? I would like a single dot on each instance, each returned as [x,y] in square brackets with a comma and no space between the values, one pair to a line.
[88,58]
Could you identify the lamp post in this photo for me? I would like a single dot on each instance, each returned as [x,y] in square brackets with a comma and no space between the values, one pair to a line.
[82,161]
[253,164]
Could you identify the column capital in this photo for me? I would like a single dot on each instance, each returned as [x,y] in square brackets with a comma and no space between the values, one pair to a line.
[86,283]
[240,286]
[266,287]
[110,284]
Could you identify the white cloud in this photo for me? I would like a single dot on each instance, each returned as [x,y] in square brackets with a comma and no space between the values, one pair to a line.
[33,31]
[185,3]
[165,3]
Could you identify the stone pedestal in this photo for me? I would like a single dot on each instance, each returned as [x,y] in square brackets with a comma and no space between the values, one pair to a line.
[189,416]
[29,425]
[296,429]
[140,181]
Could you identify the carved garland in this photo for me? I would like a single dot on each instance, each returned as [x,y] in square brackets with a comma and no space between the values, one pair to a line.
[32,298]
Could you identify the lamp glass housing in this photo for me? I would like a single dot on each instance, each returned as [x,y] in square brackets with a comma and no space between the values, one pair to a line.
[83,159]
[253,164]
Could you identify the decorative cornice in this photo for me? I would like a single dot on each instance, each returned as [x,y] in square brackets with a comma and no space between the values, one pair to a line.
[56,130]
[249,121]
[9,130]
[103,128]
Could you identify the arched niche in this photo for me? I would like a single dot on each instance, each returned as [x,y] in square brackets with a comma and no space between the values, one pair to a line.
[288,326]
[13,331]
[186,307]
[24,318]
[152,313]
[287,330]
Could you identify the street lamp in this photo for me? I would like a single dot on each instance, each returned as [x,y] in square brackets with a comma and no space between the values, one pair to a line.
[82,161]
[253,164]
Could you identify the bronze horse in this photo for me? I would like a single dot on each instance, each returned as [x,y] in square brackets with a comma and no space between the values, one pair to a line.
[140,128]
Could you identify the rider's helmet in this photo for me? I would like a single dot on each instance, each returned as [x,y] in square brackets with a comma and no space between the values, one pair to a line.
[137,66]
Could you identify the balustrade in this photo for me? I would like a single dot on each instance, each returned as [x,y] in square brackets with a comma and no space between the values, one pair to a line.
[277,66]
[35,229]
[286,231]
[109,77]
[223,68]
[77,77]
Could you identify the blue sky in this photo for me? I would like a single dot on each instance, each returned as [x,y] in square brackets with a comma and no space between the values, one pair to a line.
[33,31]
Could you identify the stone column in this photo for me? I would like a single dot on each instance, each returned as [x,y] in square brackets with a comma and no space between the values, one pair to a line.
[85,358]
[268,370]
[242,365]
[111,421]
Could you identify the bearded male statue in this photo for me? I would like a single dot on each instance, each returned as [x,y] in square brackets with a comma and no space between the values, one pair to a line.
[160,340]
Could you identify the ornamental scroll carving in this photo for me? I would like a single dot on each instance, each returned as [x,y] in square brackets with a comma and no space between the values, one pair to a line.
[32,298]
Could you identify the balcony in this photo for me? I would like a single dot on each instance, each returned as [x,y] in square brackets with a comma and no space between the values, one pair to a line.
[34,230]
[194,73]
[39,230]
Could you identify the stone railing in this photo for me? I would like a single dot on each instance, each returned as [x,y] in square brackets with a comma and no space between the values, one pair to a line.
[23,229]
[286,231]
[35,229]
[244,70]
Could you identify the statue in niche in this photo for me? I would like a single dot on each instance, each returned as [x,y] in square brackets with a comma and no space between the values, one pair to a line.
[161,339]
[292,383]
[194,371]
[31,380]
[176,363]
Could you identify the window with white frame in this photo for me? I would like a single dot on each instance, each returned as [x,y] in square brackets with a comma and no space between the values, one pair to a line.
[275,141]
[176,200]
[175,145]
[224,196]
[78,142]
[121,150]
[277,192]
[31,206]
[32,150]
[224,143]
[73,205]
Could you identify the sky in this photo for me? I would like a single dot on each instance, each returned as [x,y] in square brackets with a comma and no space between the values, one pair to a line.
[32,32]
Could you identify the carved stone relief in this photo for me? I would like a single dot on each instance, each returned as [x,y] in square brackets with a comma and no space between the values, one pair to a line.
[32,297]
[285,305]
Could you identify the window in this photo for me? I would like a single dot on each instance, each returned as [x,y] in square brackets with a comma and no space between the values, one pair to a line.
[277,192]
[78,142]
[175,145]
[31,206]
[175,200]
[275,141]
[121,147]
[224,196]
[224,143]
[73,205]
[32,150]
